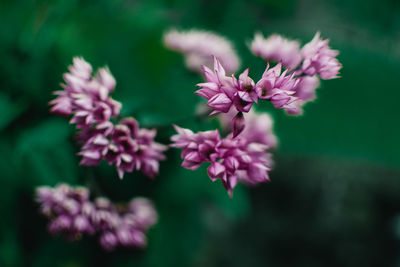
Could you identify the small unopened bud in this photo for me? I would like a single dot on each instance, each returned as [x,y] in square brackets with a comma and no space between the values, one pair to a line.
[238,124]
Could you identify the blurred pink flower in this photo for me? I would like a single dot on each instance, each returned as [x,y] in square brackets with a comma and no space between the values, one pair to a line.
[277,48]
[320,59]
[72,214]
[200,46]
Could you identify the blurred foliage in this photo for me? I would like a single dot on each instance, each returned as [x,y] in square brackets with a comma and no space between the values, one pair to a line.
[334,195]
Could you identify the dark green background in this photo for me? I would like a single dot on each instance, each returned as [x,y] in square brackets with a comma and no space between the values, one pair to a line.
[334,199]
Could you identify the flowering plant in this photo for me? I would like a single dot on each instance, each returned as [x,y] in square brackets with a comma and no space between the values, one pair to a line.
[243,154]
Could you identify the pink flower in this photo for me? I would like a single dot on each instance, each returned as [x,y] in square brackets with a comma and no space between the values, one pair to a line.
[86,98]
[246,92]
[63,205]
[232,159]
[199,47]
[124,144]
[287,89]
[223,92]
[305,92]
[320,59]
[277,48]
[196,148]
[278,87]
[72,214]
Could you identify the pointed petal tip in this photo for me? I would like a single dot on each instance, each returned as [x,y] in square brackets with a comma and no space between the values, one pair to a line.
[120,174]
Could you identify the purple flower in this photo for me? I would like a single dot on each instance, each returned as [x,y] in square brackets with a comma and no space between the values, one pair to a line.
[232,159]
[199,47]
[216,88]
[305,89]
[245,93]
[125,145]
[287,89]
[105,215]
[145,214]
[72,214]
[108,241]
[63,205]
[86,98]
[277,48]
[224,92]
[305,92]
[196,148]
[320,59]
[277,87]
[123,226]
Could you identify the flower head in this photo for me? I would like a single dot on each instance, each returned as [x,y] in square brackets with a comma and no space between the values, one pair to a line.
[196,148]
[72,214]
[124,144]
[199,47]
[86,98]
[63,205]
[123,226]
[243,158]
[278,87]
[305,92]
[277,48]
[320,59]
[223,92]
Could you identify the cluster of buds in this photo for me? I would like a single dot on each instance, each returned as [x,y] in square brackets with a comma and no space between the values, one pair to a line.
[314,61]
[199,47]
[314,58]
[244,158]
[277,48]
[244,154]
[124,144]
[288,89]
[86,98]
[72,214]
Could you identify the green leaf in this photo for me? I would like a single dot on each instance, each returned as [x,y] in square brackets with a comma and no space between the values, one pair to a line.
[45,155]
[9,110]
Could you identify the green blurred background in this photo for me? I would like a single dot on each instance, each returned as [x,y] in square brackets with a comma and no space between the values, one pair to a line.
[334,199]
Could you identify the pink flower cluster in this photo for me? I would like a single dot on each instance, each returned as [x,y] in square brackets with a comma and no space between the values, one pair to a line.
[124,144]
[63,204]
[72,215]
[199,47]
[288,89]
[85,98]
[319,59]
[245,158]
[223,92]
[277,48]
[314,58]
[244,154]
